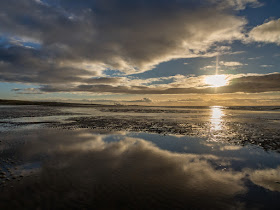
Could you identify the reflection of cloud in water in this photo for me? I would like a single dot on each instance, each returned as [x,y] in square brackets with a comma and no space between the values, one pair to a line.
[87,172]
[230,147]
[267,178]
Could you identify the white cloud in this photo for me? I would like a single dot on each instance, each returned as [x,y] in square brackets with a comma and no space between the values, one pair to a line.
[231,63]
[268,32]
[266,66]
[255,58]
[208,67]
[239,4]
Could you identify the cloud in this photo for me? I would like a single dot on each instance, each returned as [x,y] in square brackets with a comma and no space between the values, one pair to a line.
[266,66]
[239,4]
[231,63]
[208,67]
[256,58]
[66,46]
[184,85]
[104,80]
[267,32]
[121,35]
[16,89]
[225,64]
[27,91]
[253,84]
[30,66]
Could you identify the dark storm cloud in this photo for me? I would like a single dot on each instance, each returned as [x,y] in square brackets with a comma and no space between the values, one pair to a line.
[246,84]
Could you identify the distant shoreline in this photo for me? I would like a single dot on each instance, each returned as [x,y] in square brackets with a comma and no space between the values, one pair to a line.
[19,102]
[47,103]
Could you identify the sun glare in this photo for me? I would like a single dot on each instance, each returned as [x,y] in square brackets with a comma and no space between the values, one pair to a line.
[216,80]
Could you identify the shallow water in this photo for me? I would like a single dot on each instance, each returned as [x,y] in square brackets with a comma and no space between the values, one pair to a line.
[139,157]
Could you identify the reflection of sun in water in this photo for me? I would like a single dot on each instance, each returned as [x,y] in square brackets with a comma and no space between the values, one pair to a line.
[216,118]
[216,80]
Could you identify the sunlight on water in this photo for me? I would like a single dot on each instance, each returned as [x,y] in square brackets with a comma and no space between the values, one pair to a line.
[216,118]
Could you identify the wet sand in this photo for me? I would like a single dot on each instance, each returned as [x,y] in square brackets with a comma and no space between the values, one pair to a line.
[139,158]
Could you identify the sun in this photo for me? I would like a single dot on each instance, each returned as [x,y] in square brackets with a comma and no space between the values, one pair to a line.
[216,80]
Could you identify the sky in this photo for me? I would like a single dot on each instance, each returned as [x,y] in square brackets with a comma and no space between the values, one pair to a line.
[144,52]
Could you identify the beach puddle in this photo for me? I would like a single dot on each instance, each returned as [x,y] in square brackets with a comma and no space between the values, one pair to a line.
[108,169]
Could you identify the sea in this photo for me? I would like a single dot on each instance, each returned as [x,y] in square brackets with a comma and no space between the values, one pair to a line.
[139,157]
